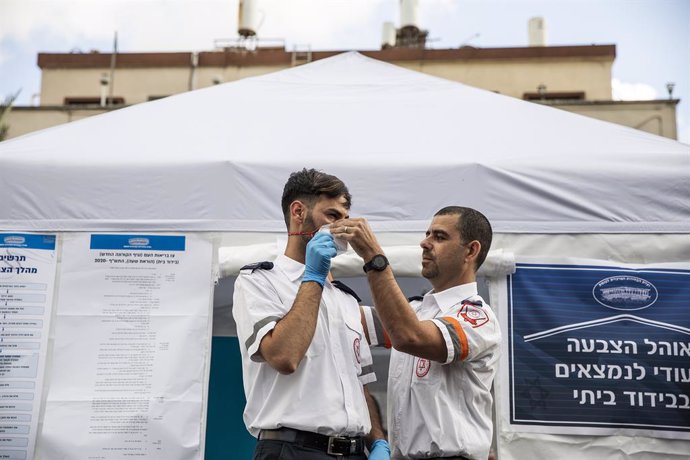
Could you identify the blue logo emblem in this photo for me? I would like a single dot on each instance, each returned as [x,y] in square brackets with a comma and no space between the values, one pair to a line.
[138,241]
[14,240]
[625,292]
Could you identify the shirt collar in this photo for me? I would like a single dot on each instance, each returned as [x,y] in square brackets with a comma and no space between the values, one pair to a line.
[450,297]
[293,269]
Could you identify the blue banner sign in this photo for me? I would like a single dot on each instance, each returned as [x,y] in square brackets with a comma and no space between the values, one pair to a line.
[27,240]
[604,347]
[138,242]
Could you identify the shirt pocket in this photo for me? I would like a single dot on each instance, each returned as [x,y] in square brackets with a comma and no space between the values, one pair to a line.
[426,372]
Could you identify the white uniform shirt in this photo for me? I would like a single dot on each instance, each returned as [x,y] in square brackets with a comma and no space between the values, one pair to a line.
[444,409]
[325,394]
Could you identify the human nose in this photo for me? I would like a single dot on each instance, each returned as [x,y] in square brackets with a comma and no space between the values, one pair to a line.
[425,243]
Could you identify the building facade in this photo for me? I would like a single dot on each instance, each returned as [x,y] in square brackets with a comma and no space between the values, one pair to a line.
[572,78]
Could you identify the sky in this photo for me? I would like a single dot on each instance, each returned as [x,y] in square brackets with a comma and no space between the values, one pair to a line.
[652,37]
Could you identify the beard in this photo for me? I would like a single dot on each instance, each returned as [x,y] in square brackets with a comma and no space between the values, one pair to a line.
[431,269]
[308,226]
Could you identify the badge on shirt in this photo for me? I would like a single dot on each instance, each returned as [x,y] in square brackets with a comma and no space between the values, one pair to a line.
[473,314]
[355,347]
[423,366]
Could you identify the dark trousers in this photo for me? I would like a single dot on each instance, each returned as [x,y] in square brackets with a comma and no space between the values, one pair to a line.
[282,450]
[447,458]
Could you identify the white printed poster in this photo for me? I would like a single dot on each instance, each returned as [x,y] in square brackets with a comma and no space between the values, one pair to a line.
[132,348]
[27,277]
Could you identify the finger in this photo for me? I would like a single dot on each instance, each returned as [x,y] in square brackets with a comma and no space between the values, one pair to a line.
[349,222]
[328,250]
[338,224]
[346,236]
[330,243]
[320,237]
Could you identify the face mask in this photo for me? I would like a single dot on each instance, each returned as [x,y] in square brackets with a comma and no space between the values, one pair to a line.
[341,245]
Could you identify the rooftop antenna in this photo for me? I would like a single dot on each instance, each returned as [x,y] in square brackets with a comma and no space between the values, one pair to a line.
[469,39]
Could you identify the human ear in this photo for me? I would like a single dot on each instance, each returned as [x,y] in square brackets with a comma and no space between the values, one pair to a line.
[473,249]
[297,211]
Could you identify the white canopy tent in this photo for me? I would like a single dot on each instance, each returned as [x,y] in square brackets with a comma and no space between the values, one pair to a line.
[407,144]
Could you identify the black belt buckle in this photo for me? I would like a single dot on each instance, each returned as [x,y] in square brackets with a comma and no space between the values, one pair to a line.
[341,446]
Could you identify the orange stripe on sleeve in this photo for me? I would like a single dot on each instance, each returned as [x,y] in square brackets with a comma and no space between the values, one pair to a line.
[461,336]
[386,340]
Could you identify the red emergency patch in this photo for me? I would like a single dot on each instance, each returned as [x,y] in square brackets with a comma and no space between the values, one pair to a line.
[423,366]
[356,347]
[474,315]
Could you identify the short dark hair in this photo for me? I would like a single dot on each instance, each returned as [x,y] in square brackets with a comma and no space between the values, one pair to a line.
[308,185]
[472,225]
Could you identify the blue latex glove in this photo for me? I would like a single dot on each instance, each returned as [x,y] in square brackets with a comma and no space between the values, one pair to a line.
[380,450]
[320,250]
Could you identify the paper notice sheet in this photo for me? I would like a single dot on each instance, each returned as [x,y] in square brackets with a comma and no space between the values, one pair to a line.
[27,276]
[132,335]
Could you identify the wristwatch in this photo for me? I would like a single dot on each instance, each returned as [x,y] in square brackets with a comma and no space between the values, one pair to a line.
[379,263]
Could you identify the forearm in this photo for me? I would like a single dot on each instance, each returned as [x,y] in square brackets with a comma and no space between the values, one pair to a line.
[406,332]
[285,346]
[395,312]
[375,416]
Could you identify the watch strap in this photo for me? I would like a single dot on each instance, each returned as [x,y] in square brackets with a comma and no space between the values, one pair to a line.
[374,265]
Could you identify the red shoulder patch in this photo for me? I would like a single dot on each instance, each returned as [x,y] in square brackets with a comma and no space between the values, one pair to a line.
[356,348]
[473,314]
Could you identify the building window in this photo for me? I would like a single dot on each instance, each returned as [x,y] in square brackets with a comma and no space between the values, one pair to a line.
[79,101]
[554,95]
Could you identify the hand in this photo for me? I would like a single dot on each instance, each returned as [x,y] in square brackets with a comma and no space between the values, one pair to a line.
[357,232]
[380,450]
[320,250]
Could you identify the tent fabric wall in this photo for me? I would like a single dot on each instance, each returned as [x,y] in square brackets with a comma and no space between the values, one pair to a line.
[405,257]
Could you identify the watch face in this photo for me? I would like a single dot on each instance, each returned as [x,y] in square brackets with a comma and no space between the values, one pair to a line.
[379,262]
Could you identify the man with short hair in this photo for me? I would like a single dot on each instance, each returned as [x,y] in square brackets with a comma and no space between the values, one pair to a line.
[446,344]
[305,358]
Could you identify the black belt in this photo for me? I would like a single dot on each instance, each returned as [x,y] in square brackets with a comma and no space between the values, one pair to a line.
[332,445]
[456,457]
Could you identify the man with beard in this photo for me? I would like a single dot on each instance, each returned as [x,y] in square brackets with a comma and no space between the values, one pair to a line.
[305,358]
[446,344]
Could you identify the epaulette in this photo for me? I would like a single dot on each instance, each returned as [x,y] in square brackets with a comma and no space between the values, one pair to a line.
[345,288]
[476,303]
[415,297]
[265,265]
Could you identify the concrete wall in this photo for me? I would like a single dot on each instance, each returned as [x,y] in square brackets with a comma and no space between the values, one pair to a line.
[511,77]
[516,77]
[656,117]
[23,120]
